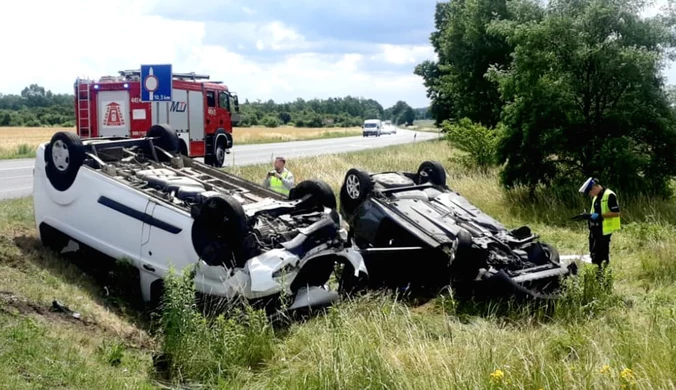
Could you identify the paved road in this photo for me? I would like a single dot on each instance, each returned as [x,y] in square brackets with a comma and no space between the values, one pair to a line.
[16,176]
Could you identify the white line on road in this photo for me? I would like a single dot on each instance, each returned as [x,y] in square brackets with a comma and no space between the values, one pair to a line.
[14,177]
[16,189]
[15,168]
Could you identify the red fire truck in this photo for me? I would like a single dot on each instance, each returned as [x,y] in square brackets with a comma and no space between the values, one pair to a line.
[201,113]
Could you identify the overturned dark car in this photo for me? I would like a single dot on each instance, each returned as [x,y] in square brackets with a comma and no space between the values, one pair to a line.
[417,234]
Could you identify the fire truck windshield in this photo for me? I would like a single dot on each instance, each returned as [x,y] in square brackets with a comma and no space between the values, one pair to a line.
[224,99]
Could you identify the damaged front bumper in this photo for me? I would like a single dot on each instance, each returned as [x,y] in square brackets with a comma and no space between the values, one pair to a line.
[540,282]
[280,271]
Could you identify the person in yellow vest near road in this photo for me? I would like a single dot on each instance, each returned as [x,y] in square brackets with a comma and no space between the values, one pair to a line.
[604,219]
[279,179]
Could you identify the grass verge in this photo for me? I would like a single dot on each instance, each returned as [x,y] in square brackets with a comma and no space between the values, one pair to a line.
[602,335]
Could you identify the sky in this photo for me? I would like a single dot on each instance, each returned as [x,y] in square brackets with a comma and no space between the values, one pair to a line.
[261,49]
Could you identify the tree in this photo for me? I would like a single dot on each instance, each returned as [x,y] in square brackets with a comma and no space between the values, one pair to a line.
[400,113]
[583,97]
[456,83]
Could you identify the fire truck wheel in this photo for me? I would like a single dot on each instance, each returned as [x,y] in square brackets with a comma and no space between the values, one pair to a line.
[219,155]
[166,138]
[63,158]
[218,230]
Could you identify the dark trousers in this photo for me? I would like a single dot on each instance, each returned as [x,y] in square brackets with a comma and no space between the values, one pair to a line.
[599,248]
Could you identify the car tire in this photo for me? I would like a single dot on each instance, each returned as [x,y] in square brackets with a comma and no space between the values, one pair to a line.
[356,187]
[321,192]
[542,253]
[432,172]
[166,138]
[218,230]
[64,155]
[552,253]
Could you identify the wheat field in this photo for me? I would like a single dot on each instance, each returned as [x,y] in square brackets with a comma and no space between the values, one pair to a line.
[19,142]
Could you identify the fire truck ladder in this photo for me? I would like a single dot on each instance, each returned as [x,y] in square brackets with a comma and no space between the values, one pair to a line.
[84,111]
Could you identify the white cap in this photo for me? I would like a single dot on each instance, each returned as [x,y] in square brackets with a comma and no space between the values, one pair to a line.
[587,186]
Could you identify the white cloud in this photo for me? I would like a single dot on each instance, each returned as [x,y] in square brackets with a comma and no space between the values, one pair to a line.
[404,54]
[81,37]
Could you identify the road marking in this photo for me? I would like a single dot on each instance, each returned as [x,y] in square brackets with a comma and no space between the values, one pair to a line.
[16,189]
[15,168]
[14,177]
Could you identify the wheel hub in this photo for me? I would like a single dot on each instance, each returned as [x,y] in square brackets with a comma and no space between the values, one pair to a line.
[352,186]
[60,155]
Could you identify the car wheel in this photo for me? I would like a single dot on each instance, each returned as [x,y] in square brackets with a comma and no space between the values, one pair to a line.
[218,230]
[432,172]
[552,253]
[165,138]
[64,156]
[322,194]
[464,262]
[542,253]
[356,187]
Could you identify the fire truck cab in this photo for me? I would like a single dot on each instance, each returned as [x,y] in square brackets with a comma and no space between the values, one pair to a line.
[202,113]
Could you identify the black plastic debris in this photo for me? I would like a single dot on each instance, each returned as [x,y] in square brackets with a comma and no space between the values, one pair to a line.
[61,308]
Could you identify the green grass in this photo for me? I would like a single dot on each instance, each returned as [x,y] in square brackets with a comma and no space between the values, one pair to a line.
[424,125]
[601,336]
[19,151]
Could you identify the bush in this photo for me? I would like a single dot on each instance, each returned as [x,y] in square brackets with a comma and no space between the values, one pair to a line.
[480,143]
[270,121]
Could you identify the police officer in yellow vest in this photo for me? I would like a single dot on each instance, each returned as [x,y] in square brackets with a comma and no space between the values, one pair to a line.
[279,179]
[604,220]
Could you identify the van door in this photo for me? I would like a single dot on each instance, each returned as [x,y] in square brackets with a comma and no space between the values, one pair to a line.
[167,242]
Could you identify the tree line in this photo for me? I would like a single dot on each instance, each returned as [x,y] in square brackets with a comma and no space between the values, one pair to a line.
[36,107]
[332,112]
[554,92]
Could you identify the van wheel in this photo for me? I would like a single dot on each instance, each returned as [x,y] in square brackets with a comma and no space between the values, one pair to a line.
[322,194]
[218,231]
[165,138]
[64,156]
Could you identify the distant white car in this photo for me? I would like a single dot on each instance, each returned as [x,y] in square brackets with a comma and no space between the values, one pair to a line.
[139,199]
[388,128]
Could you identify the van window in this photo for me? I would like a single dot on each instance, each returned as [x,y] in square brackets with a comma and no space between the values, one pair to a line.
[211,99]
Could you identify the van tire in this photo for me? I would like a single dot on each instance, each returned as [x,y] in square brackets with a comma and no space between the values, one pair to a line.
[166,138]
[64,155]
[218,231]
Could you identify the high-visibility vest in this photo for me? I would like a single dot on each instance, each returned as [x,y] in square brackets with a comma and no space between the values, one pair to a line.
[277,185]
[609,224]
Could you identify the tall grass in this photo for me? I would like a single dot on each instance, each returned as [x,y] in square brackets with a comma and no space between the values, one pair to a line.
[608,330]
[206,349]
